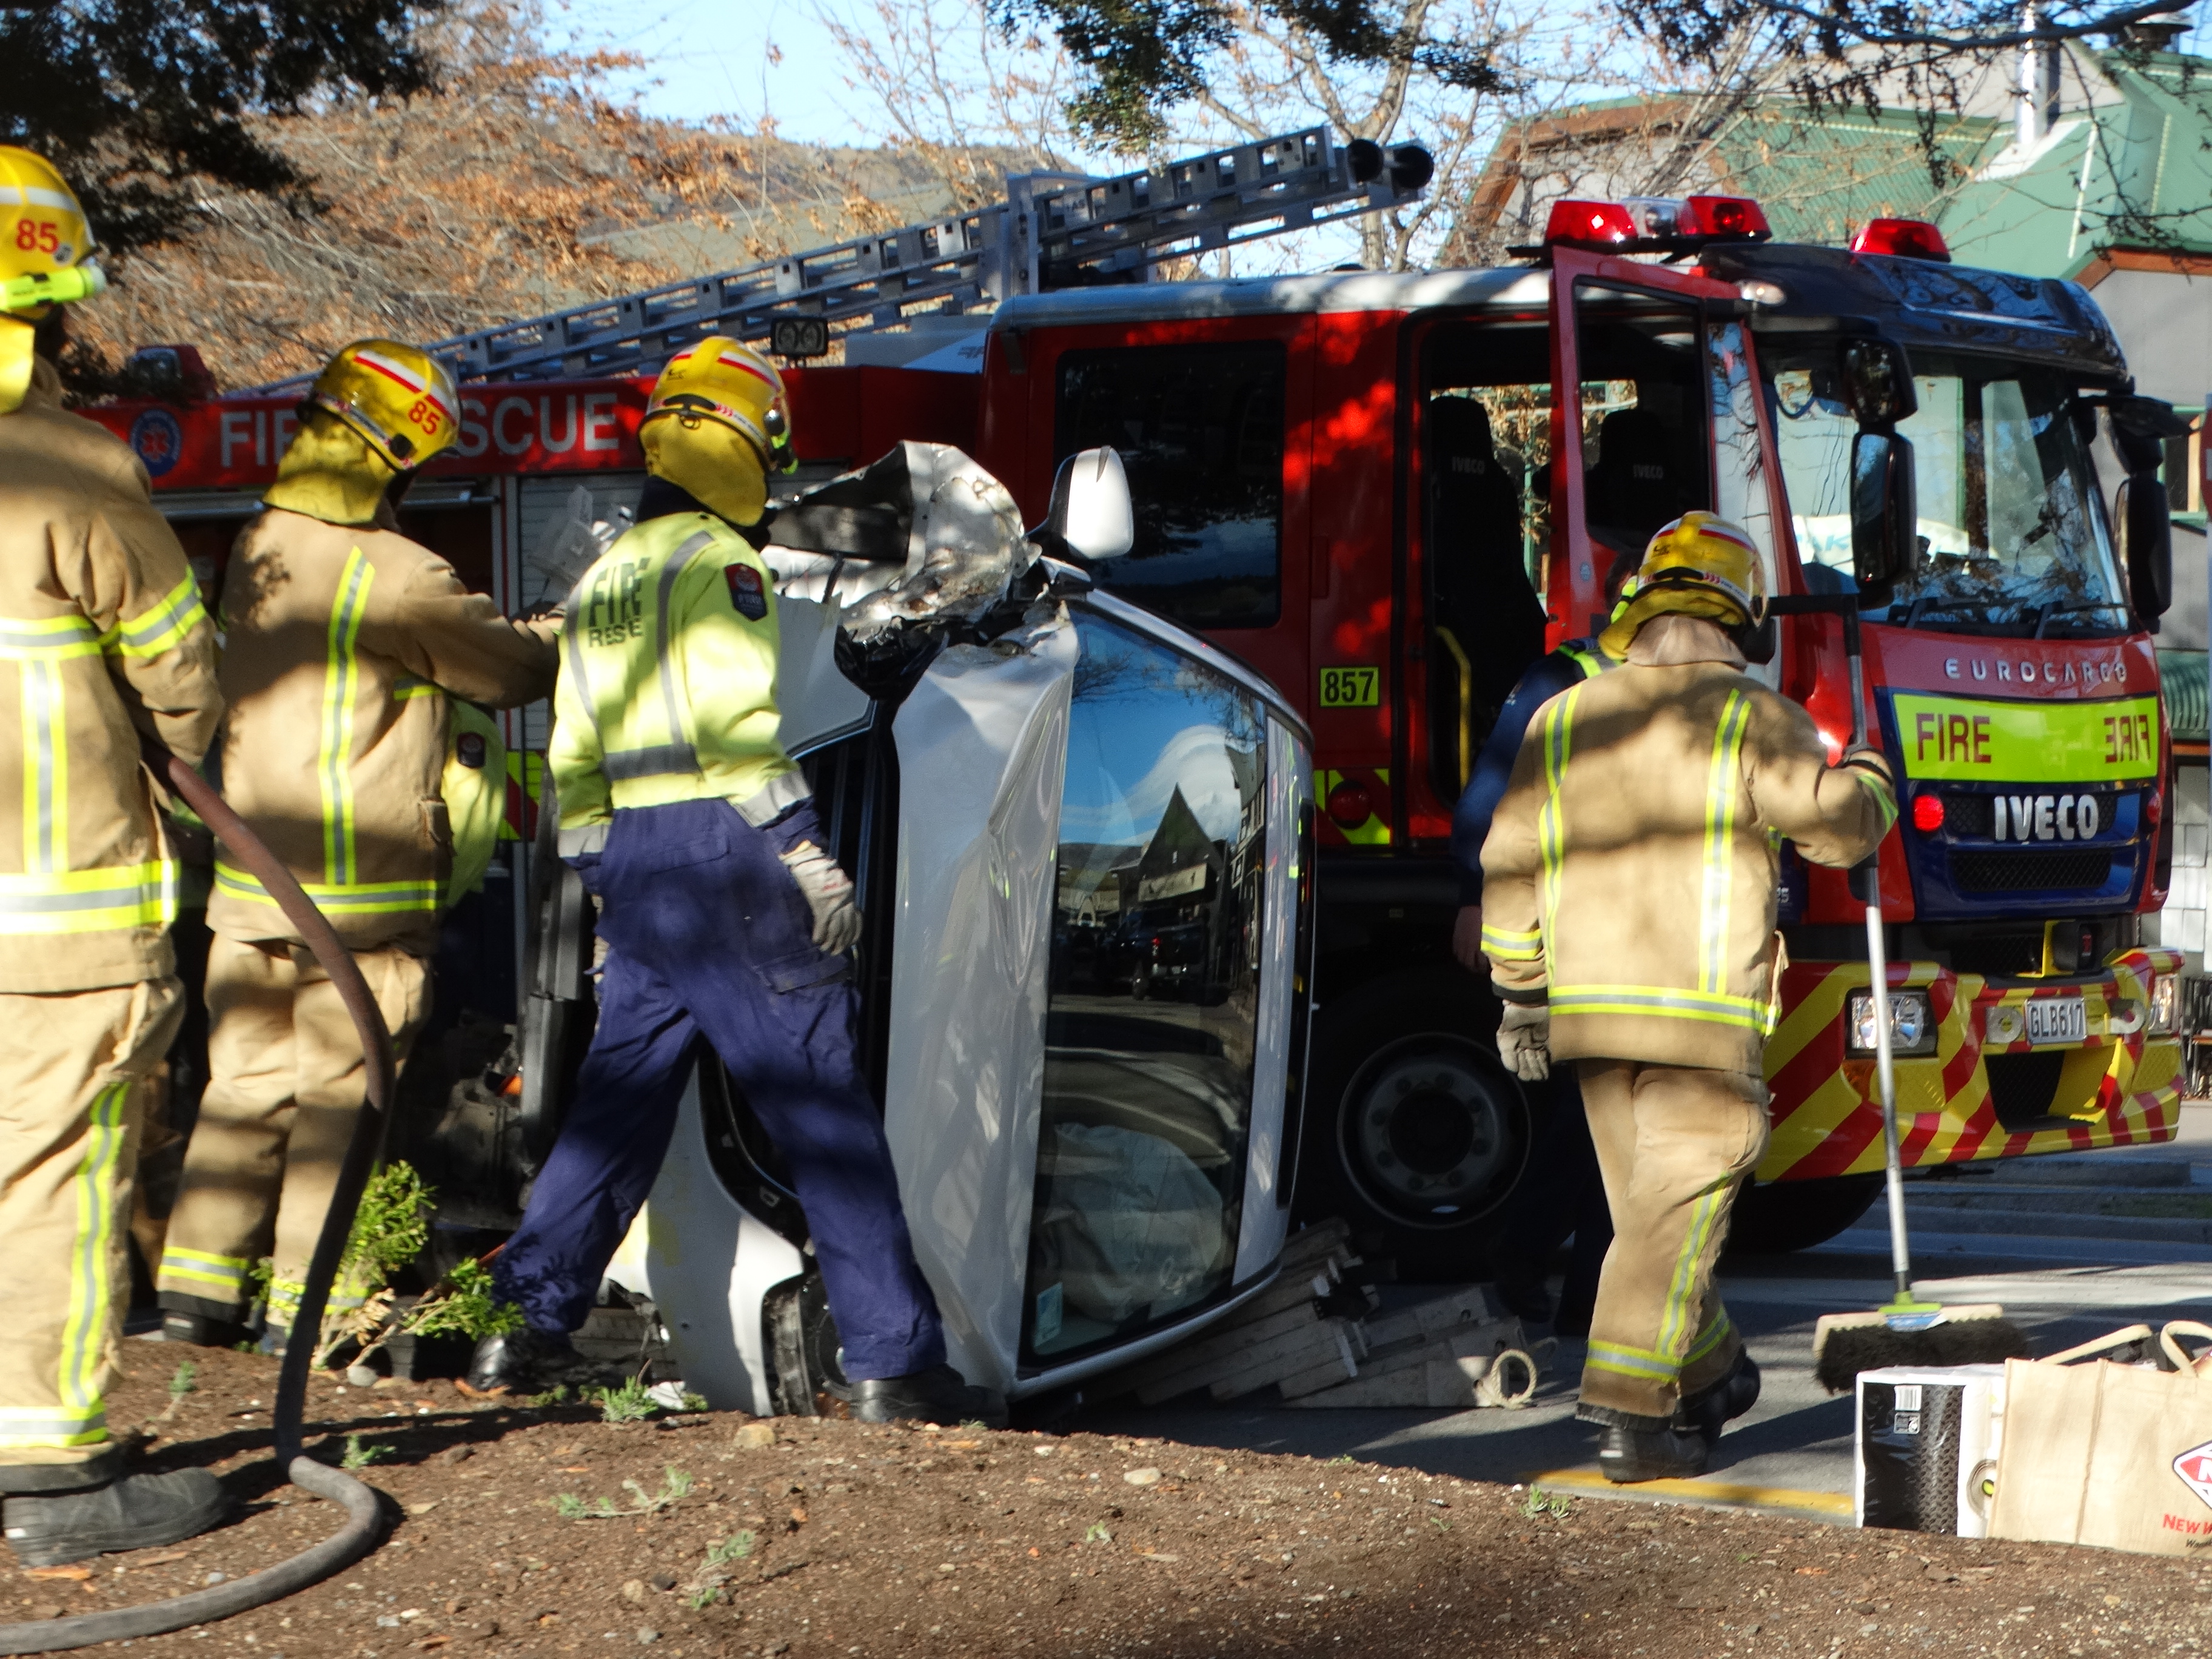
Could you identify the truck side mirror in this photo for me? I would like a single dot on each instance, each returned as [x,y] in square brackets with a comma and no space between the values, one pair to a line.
[1885,517]
[2145,522]
[1091,515]
[1877,381]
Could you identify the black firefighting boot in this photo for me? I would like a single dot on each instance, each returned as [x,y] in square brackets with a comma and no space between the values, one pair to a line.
[1707,1410]
[50,1528]
[1626,1456]
[202,1330]
[939,1395]
[528,1361]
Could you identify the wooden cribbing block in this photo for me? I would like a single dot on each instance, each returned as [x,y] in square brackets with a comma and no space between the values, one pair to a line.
[1330,1342]
[1218,1353]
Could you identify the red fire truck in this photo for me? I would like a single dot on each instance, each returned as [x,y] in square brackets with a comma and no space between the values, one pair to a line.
[1386,493]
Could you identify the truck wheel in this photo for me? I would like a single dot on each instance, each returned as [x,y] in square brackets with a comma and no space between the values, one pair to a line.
[1413,1128]
[1140,984]
[1794,1215]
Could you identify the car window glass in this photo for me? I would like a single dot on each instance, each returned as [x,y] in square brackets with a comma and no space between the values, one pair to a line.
[1154,976]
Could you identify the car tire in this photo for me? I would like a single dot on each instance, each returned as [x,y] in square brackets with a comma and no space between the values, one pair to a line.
[1414,1129]
[1781,1216]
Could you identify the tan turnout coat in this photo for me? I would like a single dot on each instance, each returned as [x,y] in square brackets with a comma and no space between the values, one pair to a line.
[102,636]
[1629,878]
[341,644]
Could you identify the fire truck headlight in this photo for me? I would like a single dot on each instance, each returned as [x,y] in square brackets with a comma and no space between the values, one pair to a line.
[1912,1030]
[2005,1022]
[2165,1004]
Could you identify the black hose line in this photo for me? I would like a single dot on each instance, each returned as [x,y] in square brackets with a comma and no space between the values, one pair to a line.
[364,1518]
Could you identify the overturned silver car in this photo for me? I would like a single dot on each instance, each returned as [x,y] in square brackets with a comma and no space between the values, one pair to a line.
[1083,842]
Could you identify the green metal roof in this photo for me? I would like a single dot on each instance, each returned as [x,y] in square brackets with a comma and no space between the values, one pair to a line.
[1821,177]
[2132,170]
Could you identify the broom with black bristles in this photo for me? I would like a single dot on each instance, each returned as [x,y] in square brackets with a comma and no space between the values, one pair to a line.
[1905,1330]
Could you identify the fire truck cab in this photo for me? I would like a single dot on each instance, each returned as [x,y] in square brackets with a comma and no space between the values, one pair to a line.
[1363,485]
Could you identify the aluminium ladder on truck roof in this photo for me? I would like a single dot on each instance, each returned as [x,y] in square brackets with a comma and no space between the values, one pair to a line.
[1053,229]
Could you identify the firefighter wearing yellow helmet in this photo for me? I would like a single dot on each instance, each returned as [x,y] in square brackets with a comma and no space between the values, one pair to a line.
[1629,920]
[724,912]
[102,636]
[351,653]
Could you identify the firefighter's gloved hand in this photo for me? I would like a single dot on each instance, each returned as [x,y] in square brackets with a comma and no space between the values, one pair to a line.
[829,893]
[1524,1040]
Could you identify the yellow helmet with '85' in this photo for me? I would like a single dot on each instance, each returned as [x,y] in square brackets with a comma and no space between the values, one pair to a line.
[45,244]
[399,397]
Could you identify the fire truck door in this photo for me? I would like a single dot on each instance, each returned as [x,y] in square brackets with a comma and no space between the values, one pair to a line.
[1633,379]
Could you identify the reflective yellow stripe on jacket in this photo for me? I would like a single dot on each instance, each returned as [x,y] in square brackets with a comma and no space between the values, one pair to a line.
[49,898]
[342,892]
[341,684]
[1710,1001]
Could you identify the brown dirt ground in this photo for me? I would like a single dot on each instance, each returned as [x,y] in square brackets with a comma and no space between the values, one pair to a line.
[874,1541]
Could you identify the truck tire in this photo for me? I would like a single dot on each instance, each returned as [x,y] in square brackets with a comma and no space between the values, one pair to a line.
[1781,1216]
[1414,1129]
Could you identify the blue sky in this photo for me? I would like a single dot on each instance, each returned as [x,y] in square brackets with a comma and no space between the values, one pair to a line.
[707,59]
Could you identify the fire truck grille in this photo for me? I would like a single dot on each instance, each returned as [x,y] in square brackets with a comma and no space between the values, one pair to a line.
[2029,871]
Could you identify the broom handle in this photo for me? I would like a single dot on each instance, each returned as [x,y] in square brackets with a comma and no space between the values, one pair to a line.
[1901,1255]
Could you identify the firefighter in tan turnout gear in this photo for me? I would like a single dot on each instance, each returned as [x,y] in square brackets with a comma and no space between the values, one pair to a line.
[1628,916]
[344,642]
[102,637]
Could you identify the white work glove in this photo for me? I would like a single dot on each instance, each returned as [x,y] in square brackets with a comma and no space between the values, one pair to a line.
[1524,1040]
[829,893]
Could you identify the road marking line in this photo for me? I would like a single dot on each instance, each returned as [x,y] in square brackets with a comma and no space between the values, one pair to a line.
[1707,1492]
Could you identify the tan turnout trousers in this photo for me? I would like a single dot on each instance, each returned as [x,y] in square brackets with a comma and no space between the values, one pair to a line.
[73,1074]
[285,1084]
[1673,1143]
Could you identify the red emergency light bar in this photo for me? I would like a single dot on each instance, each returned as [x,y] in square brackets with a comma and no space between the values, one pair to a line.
[1650,224]
[1906,239]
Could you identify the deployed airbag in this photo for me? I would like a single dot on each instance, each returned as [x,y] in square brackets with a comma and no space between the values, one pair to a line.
[1128,1224]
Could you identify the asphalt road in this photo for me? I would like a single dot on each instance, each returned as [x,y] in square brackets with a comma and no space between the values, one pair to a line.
[2073,1246]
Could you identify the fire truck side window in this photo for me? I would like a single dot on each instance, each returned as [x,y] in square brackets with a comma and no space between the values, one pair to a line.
[1201,431]
[1644,409]
[1151,1029]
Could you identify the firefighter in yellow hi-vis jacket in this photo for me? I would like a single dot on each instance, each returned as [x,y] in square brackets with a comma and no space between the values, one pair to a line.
[102,637]
[1628,915]
[724,913]
[343,640]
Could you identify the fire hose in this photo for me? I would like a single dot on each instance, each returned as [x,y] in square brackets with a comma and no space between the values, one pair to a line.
[364,1516]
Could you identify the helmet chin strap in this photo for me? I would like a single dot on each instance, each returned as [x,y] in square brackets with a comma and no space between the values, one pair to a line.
[19,359]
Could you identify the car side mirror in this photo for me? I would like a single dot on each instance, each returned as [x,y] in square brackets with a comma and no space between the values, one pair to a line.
[2145,522]
[1877,381]
[1091,515]
[1885,516]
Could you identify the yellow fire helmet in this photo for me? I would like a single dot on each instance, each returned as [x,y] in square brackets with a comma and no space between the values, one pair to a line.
[45,260]
[1700,565]
[399,397]
[716,424]
[46,245]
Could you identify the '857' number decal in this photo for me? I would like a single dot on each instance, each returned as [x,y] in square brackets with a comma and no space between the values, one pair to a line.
[1351,687]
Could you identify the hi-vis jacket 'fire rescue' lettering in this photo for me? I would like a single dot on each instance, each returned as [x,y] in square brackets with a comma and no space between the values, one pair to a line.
[692,717]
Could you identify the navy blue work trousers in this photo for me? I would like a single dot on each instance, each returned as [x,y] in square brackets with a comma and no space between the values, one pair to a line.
[707,932]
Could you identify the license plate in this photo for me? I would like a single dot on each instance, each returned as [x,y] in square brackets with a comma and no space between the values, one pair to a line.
[2057,1020]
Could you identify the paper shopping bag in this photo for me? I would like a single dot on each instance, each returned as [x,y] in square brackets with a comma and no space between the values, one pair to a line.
[2111,1455]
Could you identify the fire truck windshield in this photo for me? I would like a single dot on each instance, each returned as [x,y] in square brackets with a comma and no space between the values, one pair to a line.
[2013,538]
